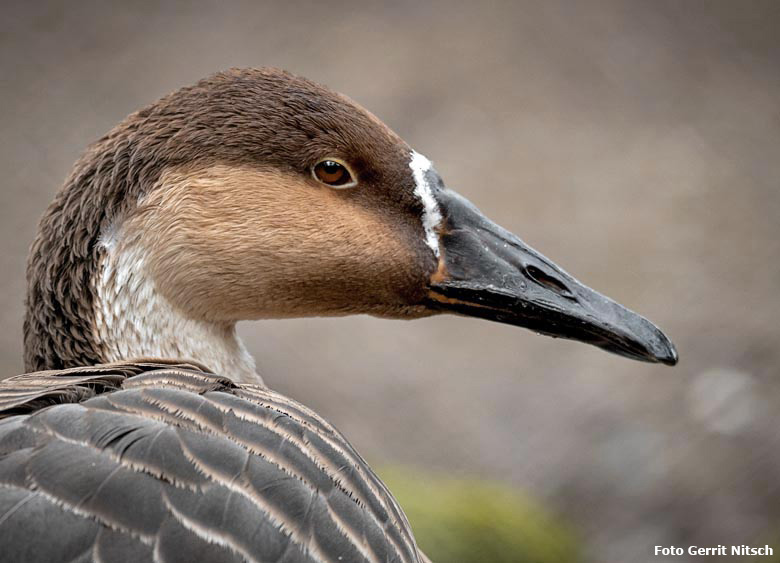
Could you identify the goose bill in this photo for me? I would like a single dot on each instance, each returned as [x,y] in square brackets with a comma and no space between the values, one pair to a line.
[487,272]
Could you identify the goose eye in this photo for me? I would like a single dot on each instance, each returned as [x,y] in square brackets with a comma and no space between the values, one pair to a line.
[333,173]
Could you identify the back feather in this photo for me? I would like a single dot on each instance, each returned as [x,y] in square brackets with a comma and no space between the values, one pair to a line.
[165,461]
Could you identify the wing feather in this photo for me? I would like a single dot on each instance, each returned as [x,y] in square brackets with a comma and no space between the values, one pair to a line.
[164,461]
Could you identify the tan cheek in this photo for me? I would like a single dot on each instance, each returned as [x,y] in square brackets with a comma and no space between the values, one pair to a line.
[237,243]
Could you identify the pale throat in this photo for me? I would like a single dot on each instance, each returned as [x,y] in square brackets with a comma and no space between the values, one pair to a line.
[132,320]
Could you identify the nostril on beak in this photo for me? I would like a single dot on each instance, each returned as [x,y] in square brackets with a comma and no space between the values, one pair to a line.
[548,281]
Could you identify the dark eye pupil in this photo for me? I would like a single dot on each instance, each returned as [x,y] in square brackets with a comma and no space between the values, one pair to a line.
[331,167]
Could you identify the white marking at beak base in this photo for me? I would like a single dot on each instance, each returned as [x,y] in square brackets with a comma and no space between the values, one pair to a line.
[431,213]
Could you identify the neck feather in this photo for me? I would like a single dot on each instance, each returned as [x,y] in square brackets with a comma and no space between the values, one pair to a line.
[133,320]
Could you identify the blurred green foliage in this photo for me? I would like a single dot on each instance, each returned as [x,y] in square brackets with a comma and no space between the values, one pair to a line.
[473,521]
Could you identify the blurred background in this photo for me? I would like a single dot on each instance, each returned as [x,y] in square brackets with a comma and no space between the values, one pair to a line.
[635,143]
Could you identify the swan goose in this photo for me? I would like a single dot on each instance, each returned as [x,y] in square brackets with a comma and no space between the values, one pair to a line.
[144,432]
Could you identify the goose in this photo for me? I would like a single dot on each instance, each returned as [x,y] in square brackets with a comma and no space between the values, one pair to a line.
[142,430]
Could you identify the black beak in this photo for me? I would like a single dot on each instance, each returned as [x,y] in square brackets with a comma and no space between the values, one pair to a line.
[486,271]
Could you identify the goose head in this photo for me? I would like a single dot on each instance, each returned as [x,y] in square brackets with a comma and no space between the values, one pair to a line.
[258,194]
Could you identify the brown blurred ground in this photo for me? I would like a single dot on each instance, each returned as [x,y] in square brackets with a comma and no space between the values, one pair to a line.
[636,143]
